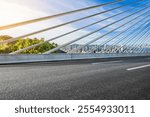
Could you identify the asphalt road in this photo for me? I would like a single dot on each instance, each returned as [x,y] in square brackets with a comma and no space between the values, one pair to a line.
[109,79]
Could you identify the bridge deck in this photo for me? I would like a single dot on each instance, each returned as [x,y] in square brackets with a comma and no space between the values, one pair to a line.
[91,79]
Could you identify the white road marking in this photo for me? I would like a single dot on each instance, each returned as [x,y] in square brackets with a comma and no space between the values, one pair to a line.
[139,67]
[106,62]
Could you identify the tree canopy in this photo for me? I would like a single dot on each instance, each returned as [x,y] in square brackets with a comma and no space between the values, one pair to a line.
[25,42]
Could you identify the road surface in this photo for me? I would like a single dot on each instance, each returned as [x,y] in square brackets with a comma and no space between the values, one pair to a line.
[97,79]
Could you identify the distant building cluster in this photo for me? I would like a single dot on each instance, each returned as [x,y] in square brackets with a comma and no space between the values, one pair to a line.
[79,48]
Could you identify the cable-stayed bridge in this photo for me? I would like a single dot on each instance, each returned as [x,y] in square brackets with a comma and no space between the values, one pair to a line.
[121,39]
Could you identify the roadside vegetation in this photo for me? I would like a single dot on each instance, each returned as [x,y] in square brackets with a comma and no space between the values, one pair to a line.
[25,42]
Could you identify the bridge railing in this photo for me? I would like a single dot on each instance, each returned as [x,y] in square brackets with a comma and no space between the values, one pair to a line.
[28,58]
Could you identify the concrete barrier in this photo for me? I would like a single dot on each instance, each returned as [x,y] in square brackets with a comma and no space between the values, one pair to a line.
[24,58]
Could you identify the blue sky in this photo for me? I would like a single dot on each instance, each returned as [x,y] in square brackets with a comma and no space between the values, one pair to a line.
[19,10]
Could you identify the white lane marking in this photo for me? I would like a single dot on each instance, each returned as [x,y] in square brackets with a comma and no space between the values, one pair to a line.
[106,62]
[139,67]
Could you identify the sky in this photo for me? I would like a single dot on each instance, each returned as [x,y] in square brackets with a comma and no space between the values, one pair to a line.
[13,11]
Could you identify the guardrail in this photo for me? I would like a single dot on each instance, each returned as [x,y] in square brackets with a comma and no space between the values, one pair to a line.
[23,58]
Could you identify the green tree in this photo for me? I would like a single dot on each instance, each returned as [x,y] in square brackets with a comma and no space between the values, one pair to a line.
[4,48]
[22,43]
